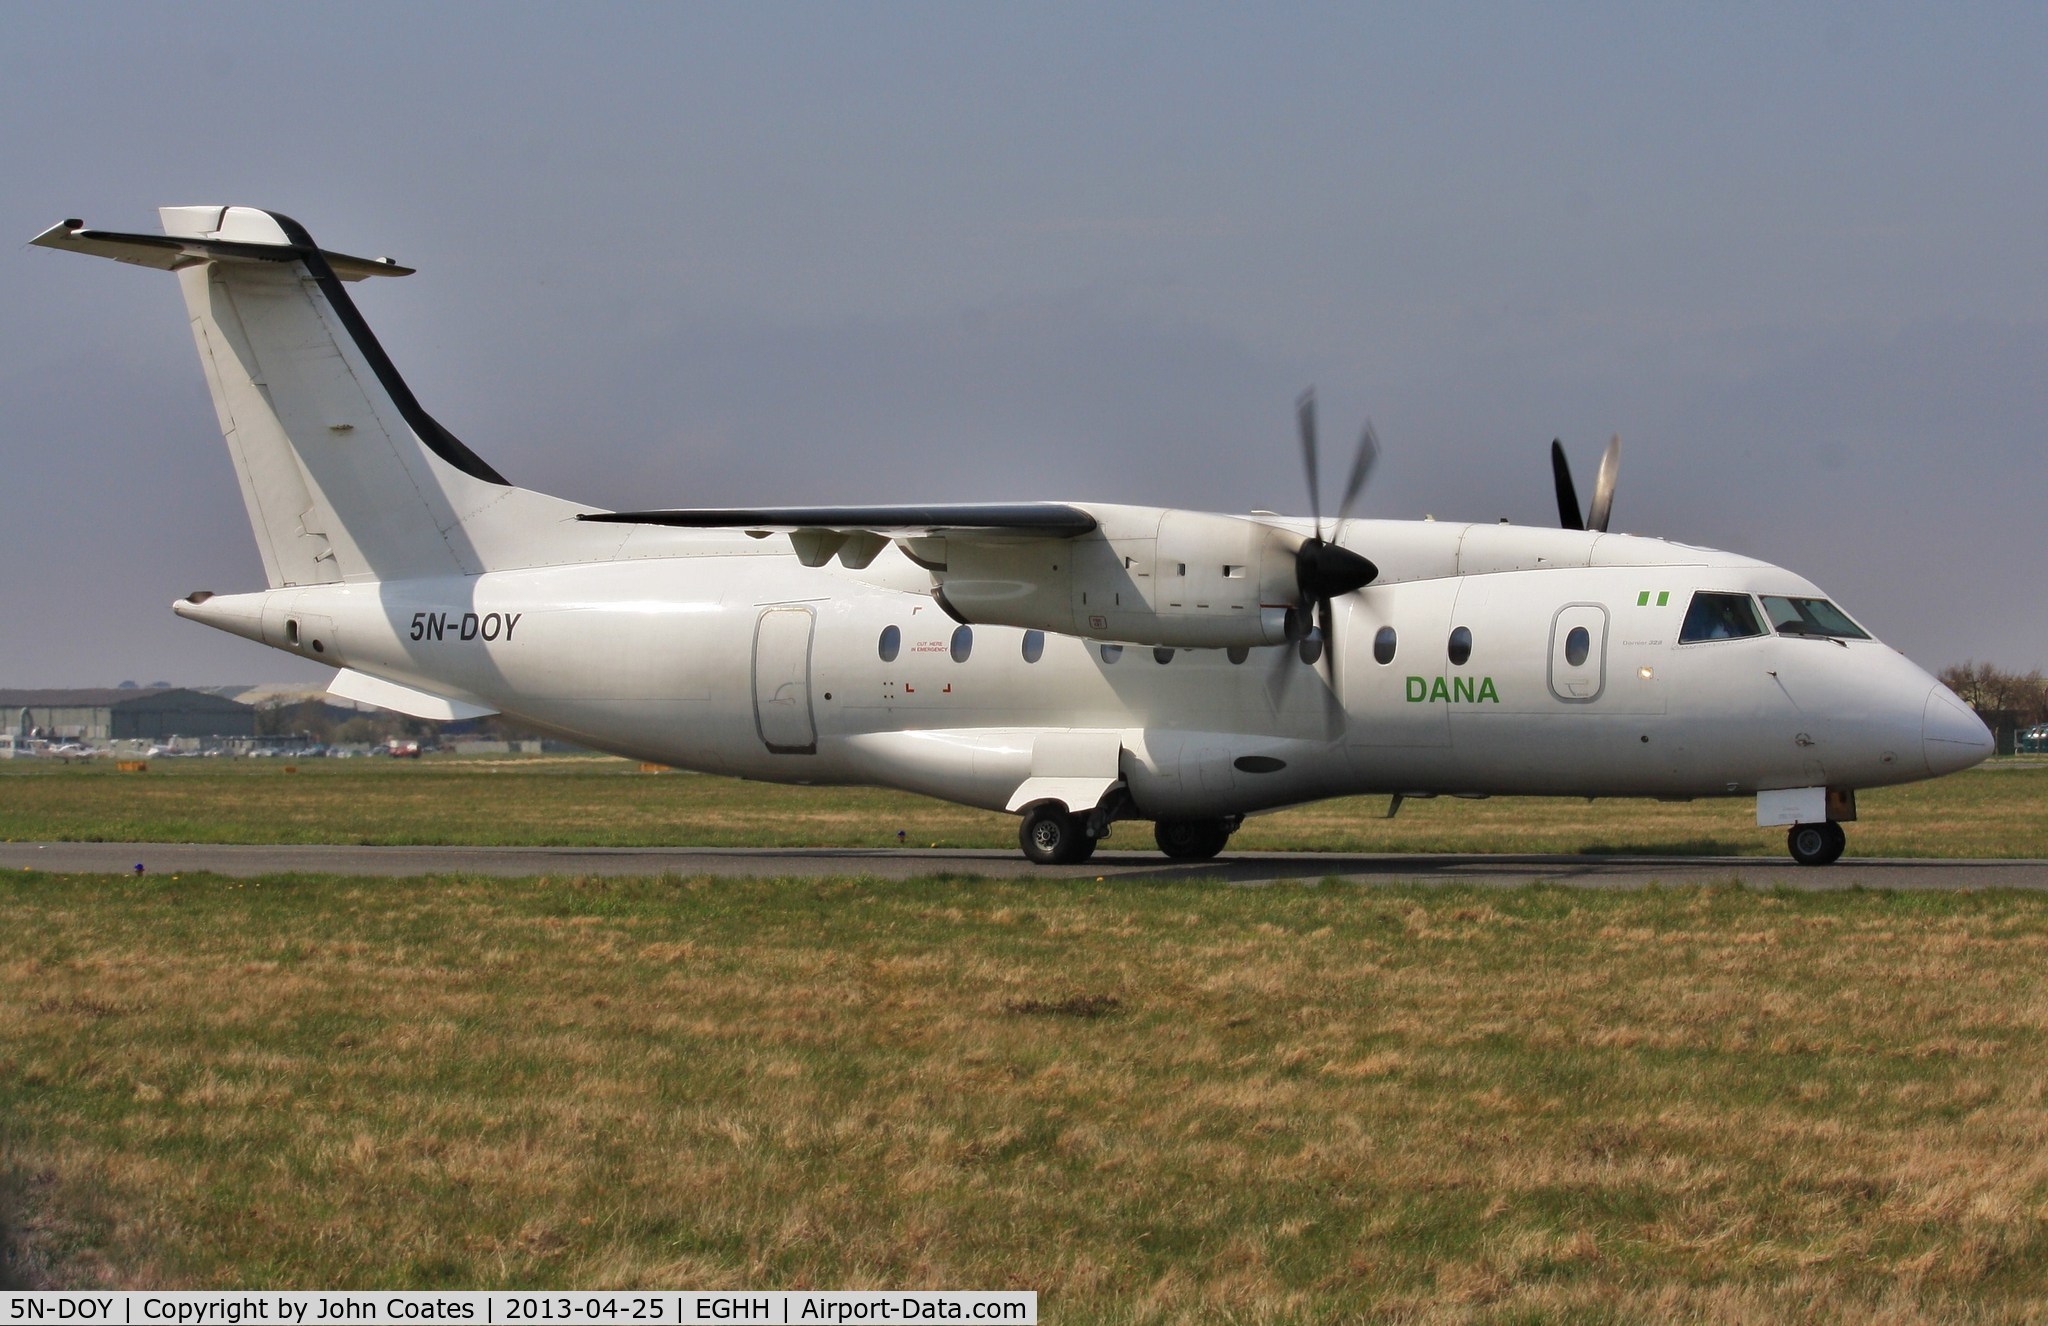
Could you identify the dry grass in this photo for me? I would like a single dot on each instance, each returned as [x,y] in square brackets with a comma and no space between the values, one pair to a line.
[2000,811]
[1151,1103]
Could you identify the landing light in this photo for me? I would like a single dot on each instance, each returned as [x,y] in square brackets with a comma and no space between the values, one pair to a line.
[1646,673]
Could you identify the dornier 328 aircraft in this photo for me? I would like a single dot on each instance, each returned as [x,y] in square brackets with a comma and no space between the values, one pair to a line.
[1078,664]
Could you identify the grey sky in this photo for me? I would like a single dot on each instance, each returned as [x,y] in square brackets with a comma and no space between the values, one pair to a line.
[724,255]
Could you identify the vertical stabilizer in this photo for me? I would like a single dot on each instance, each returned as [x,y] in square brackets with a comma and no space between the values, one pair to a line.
[346,478]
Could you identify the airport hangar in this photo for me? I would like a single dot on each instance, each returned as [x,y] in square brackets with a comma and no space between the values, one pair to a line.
[125,713]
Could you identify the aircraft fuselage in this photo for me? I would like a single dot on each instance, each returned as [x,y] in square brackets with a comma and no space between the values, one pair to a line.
[721,653]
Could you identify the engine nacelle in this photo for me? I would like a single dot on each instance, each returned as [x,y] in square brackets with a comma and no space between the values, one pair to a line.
[1147,575]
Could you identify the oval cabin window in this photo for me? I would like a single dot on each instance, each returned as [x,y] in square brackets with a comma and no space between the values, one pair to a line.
[1577,645]
[1383,645]
[1034,646]
[891,642]
[963,643]
[1461,647]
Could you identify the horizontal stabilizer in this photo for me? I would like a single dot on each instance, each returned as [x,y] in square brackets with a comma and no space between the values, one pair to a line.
[1054,520]
[170,252]
[348,684]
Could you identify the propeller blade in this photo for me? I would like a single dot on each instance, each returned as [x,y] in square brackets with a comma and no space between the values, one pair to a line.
[1323,570]
[1305,415]
[1326,623]
[1603,486]
[1361,466]
[1568,516]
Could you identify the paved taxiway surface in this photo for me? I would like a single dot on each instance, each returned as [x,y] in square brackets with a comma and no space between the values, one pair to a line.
[900,863]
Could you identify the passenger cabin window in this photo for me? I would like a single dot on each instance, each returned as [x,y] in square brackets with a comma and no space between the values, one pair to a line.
[1383,645]
[1461,646]
[1111,653]
[1720,617]
[891,641]
[1034,646]
[963,643]
[1811,617]
[1577,646]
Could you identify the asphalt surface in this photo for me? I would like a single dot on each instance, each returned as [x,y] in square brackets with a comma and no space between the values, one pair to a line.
[1620,872]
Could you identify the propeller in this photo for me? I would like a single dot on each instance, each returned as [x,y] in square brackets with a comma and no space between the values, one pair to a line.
[1597,516]
[1323,568]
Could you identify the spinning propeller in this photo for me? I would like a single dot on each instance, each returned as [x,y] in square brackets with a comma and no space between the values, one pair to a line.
[1323,568]
[1603,489]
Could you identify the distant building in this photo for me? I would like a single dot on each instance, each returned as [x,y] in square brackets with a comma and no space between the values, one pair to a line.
[125,713]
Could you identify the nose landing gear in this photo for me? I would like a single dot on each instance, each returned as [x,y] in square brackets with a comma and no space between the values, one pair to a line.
[1816,844]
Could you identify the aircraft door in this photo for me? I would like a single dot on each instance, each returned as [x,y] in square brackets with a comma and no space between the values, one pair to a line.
[1578,653]
[782,681]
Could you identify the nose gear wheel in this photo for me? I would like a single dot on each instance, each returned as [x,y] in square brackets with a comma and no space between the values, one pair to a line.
[1816,844]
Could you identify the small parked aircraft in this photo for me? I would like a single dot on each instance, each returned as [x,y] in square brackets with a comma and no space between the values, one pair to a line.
[1078,664]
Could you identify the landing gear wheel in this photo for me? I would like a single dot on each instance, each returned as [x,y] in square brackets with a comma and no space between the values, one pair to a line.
[1816,844]
[1191,840]
[1052,837]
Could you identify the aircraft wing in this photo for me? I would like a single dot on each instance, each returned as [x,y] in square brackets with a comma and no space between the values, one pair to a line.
[1052,520]
[854,534]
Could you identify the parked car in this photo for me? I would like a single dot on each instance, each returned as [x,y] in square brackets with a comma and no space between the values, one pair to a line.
[2034,741]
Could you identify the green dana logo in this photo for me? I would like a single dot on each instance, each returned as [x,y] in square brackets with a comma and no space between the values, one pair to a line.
[1423,690]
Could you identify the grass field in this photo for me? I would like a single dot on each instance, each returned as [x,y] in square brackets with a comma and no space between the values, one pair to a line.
[1163,1102]
[1997,811]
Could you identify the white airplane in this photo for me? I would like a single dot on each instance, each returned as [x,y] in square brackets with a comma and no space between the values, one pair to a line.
[1078,664]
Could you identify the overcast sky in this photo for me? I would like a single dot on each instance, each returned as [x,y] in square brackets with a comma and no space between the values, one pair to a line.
[696,255]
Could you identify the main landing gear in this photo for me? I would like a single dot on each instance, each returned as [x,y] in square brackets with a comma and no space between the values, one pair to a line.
[1192,840]
[1816,844]
[1053,836]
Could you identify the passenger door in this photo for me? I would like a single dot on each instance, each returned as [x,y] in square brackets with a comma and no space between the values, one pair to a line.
[1578,653]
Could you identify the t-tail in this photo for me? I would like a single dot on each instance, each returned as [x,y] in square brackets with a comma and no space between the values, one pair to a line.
[346,478]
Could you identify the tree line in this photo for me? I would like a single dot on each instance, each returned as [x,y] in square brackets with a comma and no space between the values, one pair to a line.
[2020,699]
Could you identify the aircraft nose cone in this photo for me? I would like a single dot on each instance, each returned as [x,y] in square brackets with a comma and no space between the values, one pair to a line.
[1954,737]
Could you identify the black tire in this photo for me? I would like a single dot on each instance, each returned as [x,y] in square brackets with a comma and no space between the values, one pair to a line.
[1191,840]
[1052,837]
[1816,844]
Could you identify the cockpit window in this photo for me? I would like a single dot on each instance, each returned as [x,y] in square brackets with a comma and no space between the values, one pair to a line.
[1720,617]
[1811,617]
